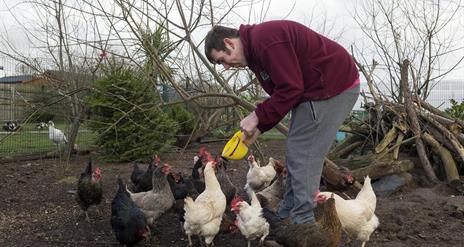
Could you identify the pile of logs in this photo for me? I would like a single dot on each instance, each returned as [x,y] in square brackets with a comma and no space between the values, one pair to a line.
[391,131]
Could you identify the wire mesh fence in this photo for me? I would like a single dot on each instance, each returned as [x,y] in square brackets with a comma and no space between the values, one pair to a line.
[21,94]
[21,115]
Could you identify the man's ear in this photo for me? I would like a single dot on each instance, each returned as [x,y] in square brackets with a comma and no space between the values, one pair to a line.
[229,43]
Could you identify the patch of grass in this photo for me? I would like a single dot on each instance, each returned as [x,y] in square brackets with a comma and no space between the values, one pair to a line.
[272,134]
[31,140]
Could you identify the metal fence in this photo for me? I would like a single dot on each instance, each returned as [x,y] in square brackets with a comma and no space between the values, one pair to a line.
[17,99]
[21,115]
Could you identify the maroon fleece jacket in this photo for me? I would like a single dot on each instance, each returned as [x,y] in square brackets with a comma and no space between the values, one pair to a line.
[294,64]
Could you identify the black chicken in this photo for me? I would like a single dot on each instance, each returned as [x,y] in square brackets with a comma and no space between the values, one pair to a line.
[197,170]
[229,189]
[89,188]
[136,174]
[144,181]
[128,222]
[181,188]
[11,126]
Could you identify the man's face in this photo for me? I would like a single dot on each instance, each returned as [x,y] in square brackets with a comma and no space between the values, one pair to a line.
[233,57]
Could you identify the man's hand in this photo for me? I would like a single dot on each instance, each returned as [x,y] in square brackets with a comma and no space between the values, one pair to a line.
[250,139]
[248,126]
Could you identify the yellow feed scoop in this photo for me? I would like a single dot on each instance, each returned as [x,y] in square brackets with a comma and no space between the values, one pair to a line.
[235,149]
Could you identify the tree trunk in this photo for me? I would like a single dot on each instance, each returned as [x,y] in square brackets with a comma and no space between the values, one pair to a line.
[414,123]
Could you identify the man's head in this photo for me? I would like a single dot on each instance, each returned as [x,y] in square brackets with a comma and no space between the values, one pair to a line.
[223,46]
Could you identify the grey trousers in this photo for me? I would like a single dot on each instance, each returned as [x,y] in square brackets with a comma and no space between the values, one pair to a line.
[313,127]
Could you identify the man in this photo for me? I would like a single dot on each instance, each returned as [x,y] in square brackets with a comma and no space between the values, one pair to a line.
[304,72]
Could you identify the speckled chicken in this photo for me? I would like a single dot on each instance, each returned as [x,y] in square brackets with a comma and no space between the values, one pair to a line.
[159,199]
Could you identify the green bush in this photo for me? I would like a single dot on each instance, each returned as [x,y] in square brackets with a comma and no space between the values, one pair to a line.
[456,110]
[184,118]
[126,116]
[185,121]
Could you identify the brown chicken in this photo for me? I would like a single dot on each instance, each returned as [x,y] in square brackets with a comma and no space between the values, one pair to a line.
[336,178]
[326,232]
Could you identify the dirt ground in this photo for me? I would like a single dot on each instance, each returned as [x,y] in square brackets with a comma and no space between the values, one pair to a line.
[37,208]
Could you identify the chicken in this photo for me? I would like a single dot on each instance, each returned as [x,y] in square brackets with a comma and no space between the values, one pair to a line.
[159,199]
[337,178]
[143,183]
[326,232]
[181,188]
[204,215]
[127,221]
[136,174]
[357,215]
[229,189]
[197,170]
[258,177]
[274,193]
[249,218]
[11,126]
[89,188]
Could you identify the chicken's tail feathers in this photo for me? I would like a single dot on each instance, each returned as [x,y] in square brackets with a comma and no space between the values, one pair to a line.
[366,192]
[127,190]
[121,187]
[254,199]
[88,168]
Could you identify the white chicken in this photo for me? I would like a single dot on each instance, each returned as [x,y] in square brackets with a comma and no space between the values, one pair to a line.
[357,215]
[159,199]
[204,215]
[259,177]
[55,134]
[250,220]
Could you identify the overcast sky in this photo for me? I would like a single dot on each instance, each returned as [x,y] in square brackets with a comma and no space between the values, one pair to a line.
[338,14]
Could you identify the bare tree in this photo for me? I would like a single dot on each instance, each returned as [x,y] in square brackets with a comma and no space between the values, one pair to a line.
[418,30]
[66,43]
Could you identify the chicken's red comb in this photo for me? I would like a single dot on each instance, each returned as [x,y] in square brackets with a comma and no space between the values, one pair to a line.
[251,158]
[235,201]
[201,151]
[208,156]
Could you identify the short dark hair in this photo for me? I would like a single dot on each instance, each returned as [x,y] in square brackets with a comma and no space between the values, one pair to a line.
[215,39]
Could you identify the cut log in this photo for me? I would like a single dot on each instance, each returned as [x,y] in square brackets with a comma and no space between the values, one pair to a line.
[346,147]
[449,164]
[458,148]
[398,142]
[383,168]
[387,139]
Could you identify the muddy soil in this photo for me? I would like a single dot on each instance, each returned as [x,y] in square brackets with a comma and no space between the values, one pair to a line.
[37,207]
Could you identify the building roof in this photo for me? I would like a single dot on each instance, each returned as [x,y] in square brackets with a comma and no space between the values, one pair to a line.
[15,79]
